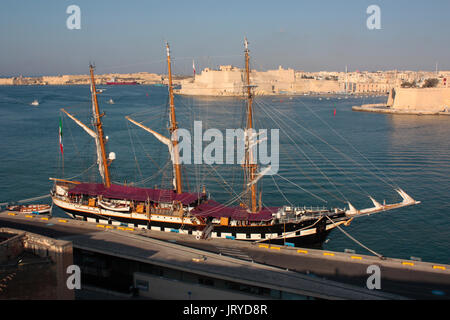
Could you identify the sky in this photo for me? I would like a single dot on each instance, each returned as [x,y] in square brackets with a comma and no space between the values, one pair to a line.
[129,36]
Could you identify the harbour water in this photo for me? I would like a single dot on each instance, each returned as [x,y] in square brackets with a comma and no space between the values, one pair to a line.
[328,155]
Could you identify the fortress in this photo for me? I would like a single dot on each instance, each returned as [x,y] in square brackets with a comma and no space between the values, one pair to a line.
[229,81]
[422,99]
[413,101]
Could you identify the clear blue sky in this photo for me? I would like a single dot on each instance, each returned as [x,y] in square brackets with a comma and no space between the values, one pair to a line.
[128,36]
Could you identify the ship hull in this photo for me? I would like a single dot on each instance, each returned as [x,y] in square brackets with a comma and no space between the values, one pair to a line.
[310,233]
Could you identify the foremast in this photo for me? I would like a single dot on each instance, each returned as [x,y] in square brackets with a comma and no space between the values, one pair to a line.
[98,135]
[172,141]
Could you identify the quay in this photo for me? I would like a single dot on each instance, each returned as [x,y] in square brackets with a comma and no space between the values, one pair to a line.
[169,265]
[383,108]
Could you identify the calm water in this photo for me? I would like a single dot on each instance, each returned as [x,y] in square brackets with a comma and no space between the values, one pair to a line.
[334,158]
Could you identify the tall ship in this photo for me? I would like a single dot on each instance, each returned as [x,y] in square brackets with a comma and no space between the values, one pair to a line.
[196,213]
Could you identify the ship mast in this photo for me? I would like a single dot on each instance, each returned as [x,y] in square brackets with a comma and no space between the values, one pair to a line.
[173,128]
[249,166]
[100,136]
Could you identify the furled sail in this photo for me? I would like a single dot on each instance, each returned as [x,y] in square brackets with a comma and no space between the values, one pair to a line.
[407,201]
[376,203]
[100,163]
[406,197]
[260,175]
[352,210]
[81,124]
[161,138]
[97,142]
[101,168]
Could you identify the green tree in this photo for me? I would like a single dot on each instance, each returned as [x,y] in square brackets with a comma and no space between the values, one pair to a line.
[406,84]
[430,83]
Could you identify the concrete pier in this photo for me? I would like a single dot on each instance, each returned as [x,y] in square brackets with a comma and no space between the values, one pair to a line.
[33,266]
[279,271]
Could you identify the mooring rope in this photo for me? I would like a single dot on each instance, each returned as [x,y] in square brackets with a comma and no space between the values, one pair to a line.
[356,241]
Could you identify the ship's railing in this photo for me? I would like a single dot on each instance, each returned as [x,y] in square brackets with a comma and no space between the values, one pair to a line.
[298,214]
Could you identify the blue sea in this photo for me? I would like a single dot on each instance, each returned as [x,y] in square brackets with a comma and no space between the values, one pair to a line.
[328,155]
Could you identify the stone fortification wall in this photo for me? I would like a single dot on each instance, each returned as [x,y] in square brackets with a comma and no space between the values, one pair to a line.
[422,99]
[412,101]
[319,86]
[6,81]
[34,266]
[226,81]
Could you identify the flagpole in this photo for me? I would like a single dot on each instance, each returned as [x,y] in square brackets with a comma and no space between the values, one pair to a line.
[62,152]
[61,145]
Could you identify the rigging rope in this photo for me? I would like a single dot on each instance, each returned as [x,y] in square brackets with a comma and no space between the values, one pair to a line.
[288,155]
[342,171]
[315,196]
[393,185]
[306,156]
[94,164]
[281,191]
[353,239]
[134,151]
[291,232]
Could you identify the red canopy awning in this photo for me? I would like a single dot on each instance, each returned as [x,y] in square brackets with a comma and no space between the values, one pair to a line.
[134,193]
[214,209]
[209,208]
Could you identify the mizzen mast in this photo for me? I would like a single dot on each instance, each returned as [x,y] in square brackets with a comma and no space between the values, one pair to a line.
[250,166]
[173,127]
[100,139]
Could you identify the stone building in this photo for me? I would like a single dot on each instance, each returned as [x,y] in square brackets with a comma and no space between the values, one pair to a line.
[230,81]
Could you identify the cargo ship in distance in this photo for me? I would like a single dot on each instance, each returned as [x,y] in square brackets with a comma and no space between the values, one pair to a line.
[197,214]
[114,82]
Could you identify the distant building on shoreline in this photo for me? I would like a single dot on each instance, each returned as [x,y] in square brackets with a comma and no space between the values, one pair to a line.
[414,100]
[230,81]
[140,78]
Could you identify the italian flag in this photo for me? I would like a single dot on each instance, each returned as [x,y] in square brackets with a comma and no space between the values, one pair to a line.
[60,136]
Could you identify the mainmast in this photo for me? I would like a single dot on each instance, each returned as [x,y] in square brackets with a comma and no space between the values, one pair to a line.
[250,166]
[173,128]
[100,136]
